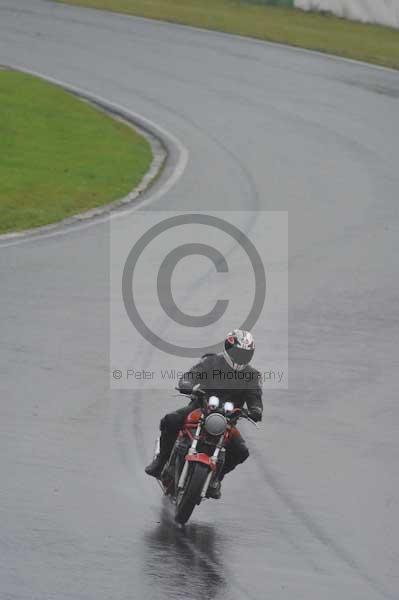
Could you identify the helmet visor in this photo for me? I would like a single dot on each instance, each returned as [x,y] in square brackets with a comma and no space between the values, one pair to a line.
[241,356]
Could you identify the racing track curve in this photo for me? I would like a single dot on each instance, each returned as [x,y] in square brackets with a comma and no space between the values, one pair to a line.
[314,514]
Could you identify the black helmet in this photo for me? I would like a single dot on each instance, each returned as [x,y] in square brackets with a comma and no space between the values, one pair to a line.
[239,348]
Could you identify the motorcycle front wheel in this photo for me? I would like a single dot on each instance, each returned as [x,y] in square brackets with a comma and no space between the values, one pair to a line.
[191,495]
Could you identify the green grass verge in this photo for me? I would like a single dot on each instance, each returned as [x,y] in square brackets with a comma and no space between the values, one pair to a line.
[371,43]
[60,156]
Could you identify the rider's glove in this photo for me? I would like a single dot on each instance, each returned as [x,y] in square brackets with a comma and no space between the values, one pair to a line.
[185,387]
[255,414]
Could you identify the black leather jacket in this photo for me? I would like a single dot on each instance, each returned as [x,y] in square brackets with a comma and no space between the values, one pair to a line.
[216,376]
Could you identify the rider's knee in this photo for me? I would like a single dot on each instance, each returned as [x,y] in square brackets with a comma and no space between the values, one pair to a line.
[243,454]
[171,422]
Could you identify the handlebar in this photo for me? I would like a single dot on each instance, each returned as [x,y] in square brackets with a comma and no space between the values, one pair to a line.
[199,394]
[191,391]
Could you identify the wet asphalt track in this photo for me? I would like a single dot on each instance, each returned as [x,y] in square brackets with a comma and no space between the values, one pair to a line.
[315,514]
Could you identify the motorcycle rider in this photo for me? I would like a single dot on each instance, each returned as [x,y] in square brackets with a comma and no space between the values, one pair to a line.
[228,376]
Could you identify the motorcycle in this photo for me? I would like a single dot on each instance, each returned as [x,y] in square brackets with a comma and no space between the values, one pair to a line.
[198,455]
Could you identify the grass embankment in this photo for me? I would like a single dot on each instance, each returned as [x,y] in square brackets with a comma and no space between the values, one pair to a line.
[60,156]
[371,43]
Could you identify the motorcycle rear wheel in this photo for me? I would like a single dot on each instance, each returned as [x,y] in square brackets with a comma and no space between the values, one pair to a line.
[191,495]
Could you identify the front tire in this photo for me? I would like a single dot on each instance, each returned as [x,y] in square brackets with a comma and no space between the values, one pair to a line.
[191,495]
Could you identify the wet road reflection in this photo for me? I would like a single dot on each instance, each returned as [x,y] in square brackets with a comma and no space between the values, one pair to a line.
[183,562]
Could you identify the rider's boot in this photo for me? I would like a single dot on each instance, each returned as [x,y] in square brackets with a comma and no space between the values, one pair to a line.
[214,489]
[156,466]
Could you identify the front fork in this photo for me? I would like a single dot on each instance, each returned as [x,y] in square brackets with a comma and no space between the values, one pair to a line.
[214,458]
[193,450]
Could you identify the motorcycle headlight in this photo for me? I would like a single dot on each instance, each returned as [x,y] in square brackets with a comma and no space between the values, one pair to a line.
[213,402]
[215,424]
[228,407]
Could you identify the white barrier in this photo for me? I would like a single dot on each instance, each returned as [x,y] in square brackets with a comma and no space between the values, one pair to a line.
[385,12]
